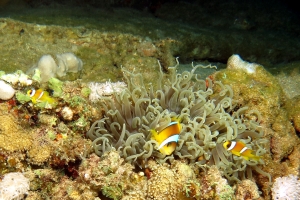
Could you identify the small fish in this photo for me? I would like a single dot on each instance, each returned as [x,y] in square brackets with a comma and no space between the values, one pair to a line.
[239,149]
[40,96]
[168,137]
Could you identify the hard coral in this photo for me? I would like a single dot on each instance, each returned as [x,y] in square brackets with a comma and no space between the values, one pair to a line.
[208,113]
[14,186]
[286,188]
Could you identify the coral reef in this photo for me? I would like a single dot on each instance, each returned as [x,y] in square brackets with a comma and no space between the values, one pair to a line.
[209,118]
[50,144]
[115,179]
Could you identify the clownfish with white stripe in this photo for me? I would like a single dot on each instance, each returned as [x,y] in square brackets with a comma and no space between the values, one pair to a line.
[167,138]
[40,95]
[238,148]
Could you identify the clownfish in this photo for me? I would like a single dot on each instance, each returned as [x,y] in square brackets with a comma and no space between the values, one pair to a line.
[168,137]
[239,149]
[40,96]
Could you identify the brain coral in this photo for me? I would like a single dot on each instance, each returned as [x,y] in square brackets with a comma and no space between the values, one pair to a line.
[208,113]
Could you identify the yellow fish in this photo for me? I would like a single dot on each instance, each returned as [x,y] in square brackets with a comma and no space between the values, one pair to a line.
[168,137]
[40,95]
[239,149]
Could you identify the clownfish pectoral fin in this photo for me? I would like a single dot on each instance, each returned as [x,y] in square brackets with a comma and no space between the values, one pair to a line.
[245,157]
[168,149]
[173,138]
[253,157]
[250,156]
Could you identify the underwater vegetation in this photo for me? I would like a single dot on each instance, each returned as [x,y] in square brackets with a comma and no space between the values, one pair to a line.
[209,117]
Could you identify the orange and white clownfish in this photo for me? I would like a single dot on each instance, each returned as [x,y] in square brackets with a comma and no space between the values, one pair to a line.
[40,96]
[238,148]
[168,137]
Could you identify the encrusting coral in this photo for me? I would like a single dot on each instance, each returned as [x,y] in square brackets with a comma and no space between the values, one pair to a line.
[208,115]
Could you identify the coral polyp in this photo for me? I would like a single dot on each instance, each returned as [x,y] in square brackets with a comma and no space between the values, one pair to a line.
[209,118]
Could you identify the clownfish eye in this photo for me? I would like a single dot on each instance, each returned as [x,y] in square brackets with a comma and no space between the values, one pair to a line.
[228,145]
[31,92]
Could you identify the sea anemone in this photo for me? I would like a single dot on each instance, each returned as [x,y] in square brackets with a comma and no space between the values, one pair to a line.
[209,116]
